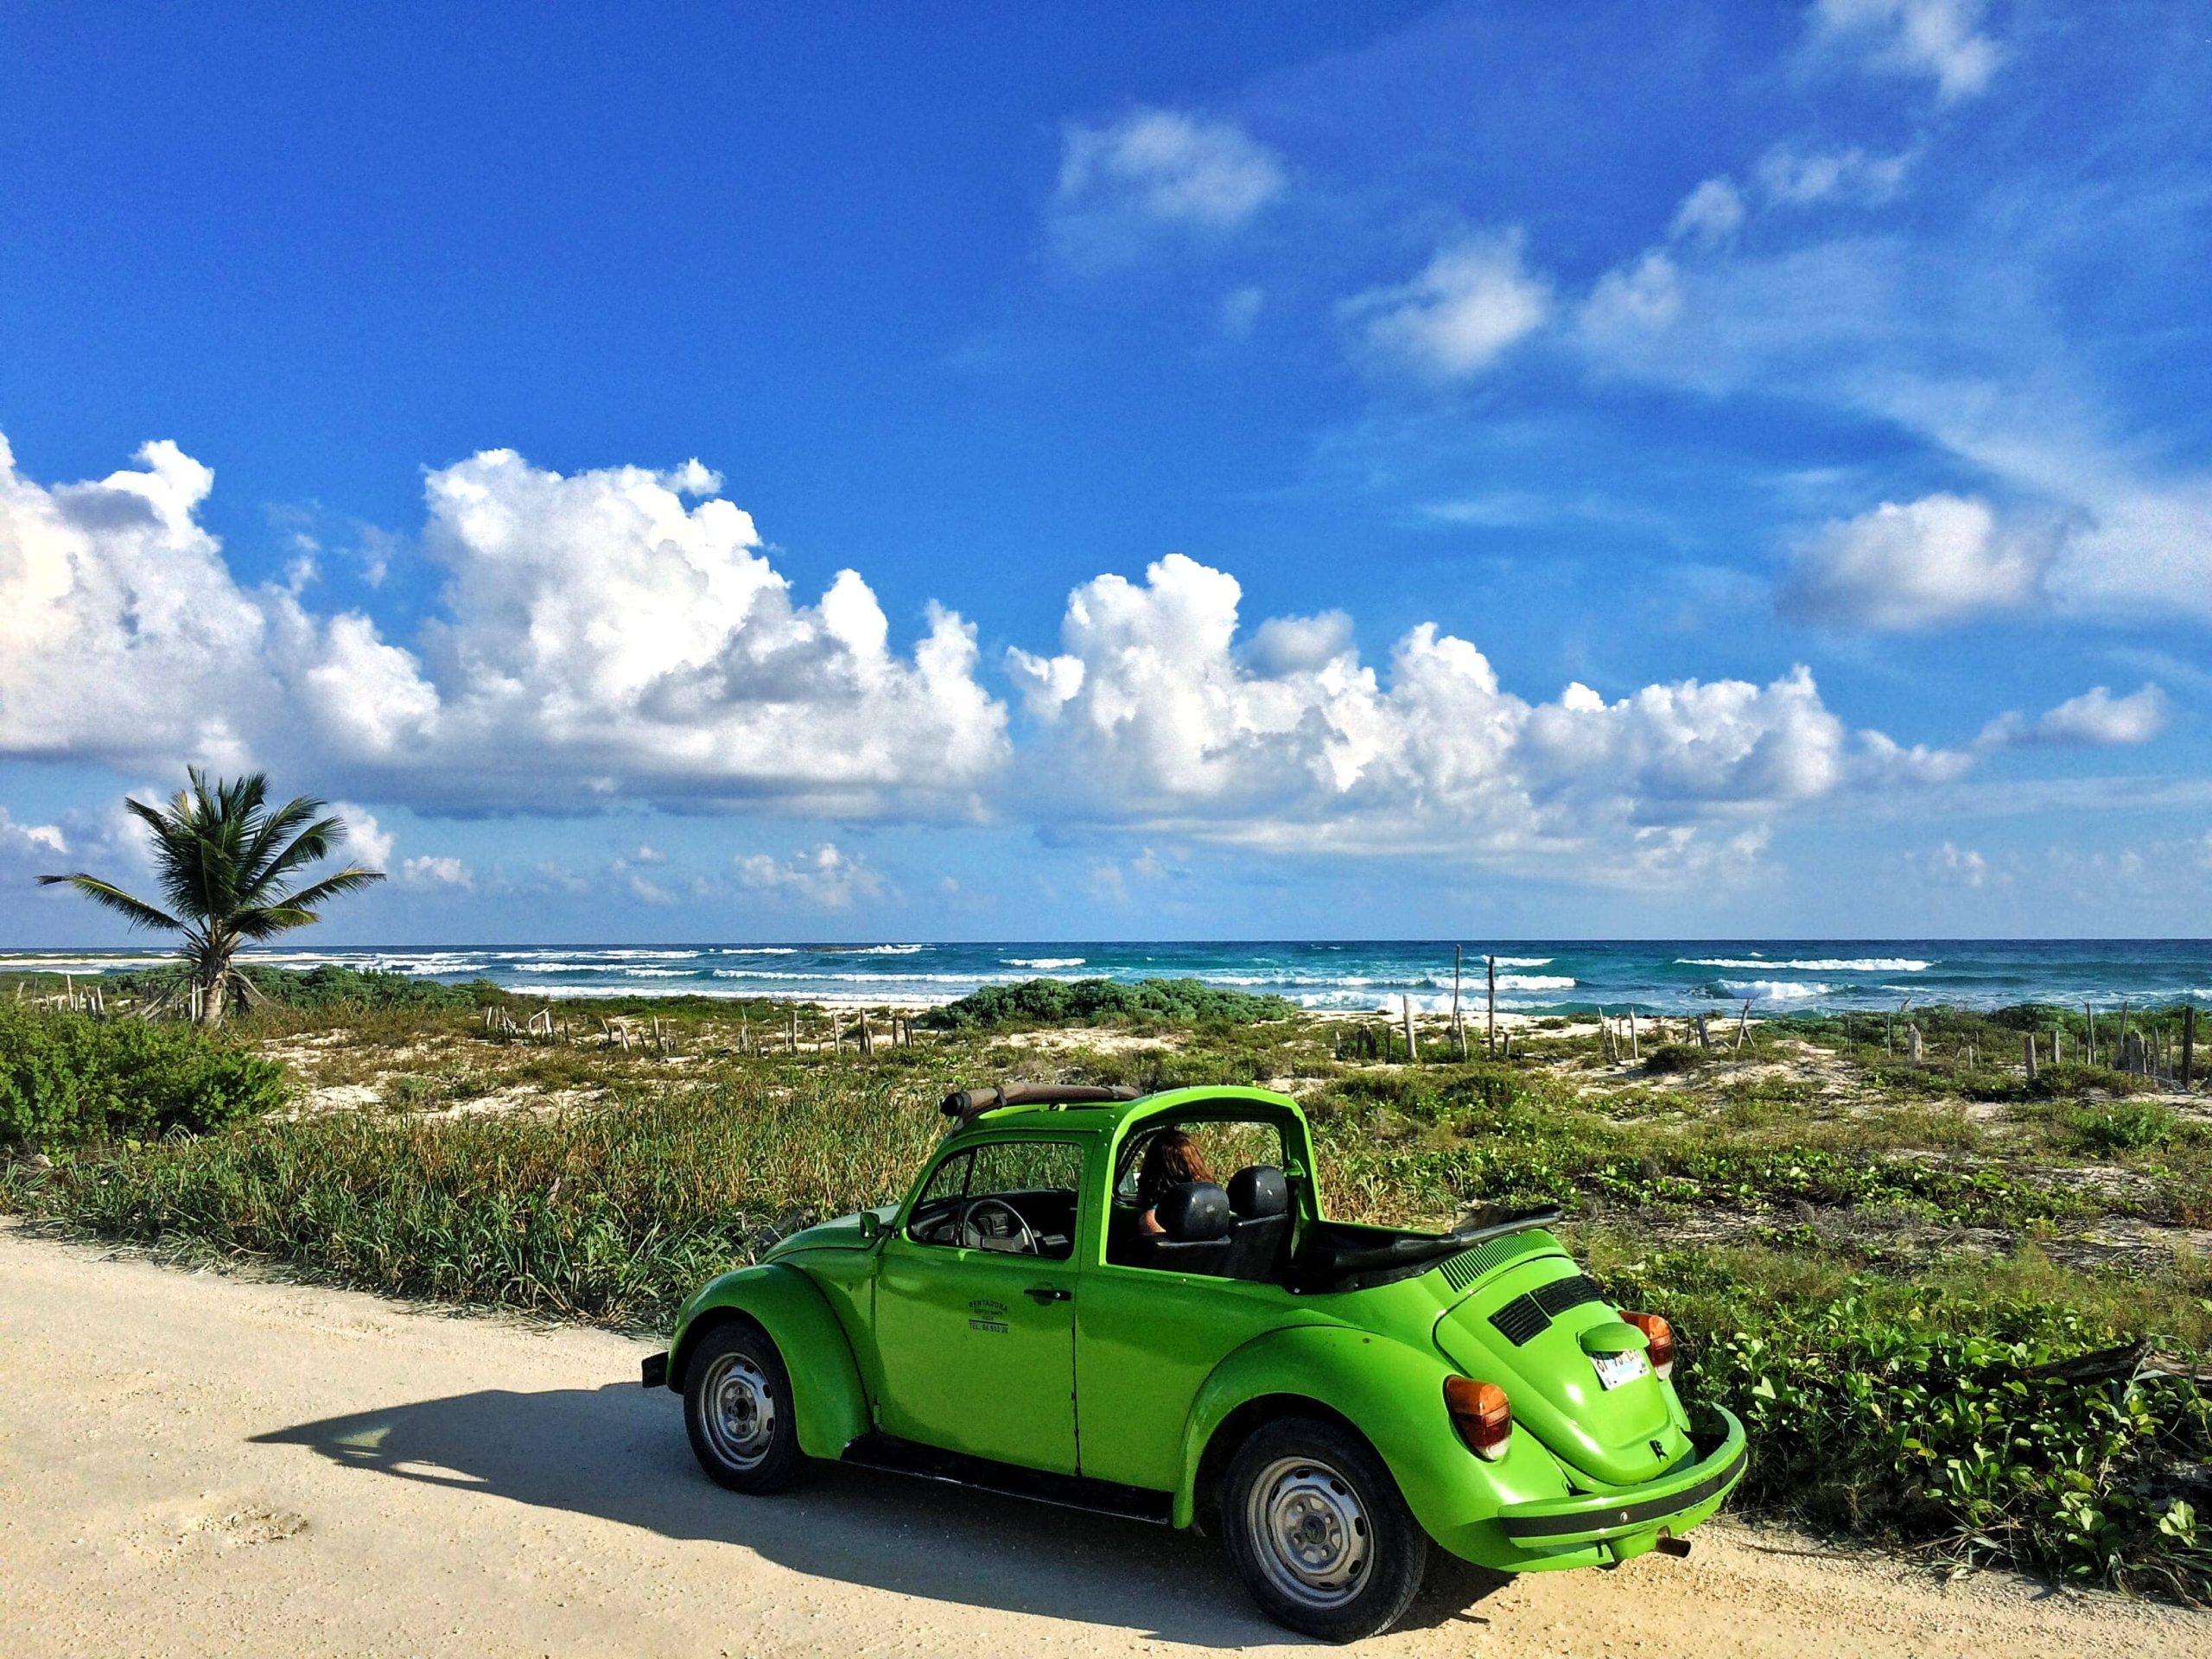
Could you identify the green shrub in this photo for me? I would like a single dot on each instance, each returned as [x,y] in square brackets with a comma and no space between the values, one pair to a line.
[2124,1126]
[1882,1421]
[331,985]
[1082,1001]
[1668,1057]
[66,1078]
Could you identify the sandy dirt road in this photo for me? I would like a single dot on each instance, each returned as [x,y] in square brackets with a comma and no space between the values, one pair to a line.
[193,1464]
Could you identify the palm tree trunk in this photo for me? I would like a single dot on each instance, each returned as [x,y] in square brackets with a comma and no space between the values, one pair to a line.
[214,975]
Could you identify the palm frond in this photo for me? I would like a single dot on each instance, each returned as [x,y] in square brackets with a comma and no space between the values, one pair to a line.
[105,893]
[313,842]
[255,862]
[349,880]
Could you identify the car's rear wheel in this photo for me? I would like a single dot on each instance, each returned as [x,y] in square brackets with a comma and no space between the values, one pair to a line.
[1316,1527]
[737,1408]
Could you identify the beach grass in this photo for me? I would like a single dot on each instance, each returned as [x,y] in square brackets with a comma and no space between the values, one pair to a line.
[1871,1254]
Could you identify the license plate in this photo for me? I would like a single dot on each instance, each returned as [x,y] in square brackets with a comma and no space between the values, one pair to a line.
[1613,1369]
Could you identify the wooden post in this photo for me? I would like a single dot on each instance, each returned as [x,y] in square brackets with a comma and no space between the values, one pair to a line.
[2090,1014]
[1457,951]
[1635,1049]
[867,1037]
[2187,1045]
[1912,1045]
[1490,1039]
[2030,1040]
[1413,1050]
[794,1029]
[1704,1036]
[1743,1026]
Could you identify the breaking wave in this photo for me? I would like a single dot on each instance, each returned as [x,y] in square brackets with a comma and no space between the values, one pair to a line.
[1814,965]
[1775,990]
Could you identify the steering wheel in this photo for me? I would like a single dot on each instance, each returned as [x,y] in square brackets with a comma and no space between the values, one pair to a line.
[974,1238]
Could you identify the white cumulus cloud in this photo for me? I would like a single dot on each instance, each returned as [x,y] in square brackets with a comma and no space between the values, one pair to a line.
[432,872]
[1472,302]
[615,632]
[2096,719]
[1916,565]
[367,842]
[30,847]
[1151,715]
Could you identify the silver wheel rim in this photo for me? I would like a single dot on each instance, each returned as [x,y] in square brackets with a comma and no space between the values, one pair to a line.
[1311,1532]
[739,1410]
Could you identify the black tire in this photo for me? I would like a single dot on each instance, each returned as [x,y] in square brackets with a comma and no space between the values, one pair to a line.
[737,1410]
[1317,1531]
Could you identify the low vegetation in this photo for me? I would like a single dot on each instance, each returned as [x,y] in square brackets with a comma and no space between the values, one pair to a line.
[1090,1001]
[1877,1263]
[67,1079]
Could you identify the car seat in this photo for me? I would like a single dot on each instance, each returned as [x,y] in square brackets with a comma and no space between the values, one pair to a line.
[1194,1235]
[1261,1200]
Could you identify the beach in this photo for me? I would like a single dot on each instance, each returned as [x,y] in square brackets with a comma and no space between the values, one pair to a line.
[191,1456]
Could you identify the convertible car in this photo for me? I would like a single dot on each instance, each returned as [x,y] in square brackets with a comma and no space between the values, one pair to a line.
[1042,1315]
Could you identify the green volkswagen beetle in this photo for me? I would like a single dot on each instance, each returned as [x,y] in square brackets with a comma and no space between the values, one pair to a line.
[1138,1305]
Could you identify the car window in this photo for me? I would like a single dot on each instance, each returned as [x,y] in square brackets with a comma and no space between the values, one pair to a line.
[1012,1197]
[1225,1147]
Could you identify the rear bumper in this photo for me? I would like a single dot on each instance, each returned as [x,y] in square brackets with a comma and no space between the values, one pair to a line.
[1676,1501]
[654,1371]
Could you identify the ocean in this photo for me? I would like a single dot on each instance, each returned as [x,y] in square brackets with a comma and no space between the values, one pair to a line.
[1534,975]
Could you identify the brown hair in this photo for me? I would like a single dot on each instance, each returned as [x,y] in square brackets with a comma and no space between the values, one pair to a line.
[1172,1158]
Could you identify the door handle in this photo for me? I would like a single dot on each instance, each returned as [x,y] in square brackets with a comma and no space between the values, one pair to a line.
[1049,1294]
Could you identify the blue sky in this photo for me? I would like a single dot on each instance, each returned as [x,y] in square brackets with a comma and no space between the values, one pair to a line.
[724,472]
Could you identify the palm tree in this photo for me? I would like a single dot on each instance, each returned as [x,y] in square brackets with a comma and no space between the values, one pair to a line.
[227,864]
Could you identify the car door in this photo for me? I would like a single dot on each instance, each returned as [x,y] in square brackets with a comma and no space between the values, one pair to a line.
[976,1325]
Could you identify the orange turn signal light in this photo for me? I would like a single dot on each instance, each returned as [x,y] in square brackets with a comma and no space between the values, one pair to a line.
[1482,1413]
[1661,1336]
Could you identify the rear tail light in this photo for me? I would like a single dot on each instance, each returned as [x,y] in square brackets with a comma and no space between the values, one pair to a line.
[1482,1413]
[1661,1336]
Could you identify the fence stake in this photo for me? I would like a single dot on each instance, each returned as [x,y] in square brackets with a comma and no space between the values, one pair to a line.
[1457,1036]
[1490,1037]
[2188,1044]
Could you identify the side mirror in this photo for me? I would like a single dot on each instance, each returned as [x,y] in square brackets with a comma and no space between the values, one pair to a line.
[871,1226]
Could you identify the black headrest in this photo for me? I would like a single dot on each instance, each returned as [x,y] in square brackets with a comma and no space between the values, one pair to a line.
[1259,1190]
[1193,1213]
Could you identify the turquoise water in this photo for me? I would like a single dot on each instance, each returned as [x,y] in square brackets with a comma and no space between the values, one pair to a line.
[1534,975]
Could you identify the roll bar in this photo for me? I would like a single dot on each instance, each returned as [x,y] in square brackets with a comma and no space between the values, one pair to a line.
[965,1103]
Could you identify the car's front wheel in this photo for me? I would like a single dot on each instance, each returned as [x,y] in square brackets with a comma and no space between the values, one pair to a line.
[1317,1530]
[737,1408]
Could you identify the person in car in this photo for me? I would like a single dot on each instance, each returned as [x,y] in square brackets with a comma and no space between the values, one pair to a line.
[1172,1158]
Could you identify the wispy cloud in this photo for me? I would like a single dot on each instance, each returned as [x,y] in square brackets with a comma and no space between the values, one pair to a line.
[1473,300]
[1940,39]
[1153,171]
[825,876]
